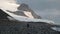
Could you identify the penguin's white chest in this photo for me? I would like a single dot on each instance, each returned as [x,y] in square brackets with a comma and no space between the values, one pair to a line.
[29,14]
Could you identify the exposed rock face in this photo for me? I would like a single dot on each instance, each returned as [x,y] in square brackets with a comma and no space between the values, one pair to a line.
[3,15]
[15,27]
[25,10]
[23,7]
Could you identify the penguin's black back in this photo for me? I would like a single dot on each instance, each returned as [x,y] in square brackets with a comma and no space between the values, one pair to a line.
[3,15]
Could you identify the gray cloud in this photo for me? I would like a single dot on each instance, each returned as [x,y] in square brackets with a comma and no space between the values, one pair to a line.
[8,4]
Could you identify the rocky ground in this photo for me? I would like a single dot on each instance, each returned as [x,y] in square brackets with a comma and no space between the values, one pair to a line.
[15,27]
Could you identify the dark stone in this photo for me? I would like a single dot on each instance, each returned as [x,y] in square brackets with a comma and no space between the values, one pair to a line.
[23,6]
[3,15]
[15,27]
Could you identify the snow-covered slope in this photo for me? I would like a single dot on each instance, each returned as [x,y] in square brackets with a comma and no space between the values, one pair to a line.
[28,11]
[25,10]
[26,19]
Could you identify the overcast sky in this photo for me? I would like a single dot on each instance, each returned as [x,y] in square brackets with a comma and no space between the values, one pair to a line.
[47,9]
